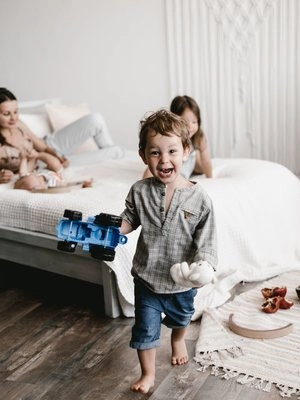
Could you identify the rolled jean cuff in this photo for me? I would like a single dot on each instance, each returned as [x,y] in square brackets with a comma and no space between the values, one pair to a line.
[144,346]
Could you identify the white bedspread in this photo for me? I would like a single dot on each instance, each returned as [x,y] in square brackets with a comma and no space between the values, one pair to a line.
[257,207]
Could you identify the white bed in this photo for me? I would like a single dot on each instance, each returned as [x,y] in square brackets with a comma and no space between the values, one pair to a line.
[257,207]
[256,204]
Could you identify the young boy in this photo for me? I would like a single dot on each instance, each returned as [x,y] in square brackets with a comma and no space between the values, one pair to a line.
[177,227]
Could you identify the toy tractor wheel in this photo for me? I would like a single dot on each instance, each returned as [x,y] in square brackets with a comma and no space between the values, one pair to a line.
[101,253]
[108,220]
[66,246]
[73,215]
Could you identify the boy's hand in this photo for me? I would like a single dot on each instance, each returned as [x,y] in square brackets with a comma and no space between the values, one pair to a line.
[197,274]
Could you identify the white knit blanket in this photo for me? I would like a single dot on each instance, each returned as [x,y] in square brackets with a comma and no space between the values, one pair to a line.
[257,363]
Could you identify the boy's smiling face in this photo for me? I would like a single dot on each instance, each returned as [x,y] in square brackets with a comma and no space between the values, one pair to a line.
[164,156]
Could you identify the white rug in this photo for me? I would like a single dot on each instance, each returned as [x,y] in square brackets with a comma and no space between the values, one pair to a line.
[257,363]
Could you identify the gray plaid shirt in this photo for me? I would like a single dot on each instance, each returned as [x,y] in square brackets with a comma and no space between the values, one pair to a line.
[186,233]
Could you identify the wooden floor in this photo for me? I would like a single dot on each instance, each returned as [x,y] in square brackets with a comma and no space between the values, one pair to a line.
[56,343]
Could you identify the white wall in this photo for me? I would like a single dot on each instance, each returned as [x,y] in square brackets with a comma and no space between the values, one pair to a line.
[113,54]
[108,53]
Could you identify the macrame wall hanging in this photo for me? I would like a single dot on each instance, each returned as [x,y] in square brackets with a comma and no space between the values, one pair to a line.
[238,59]
[240,20]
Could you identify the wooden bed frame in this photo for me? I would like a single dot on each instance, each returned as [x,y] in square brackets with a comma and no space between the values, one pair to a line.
[39,250]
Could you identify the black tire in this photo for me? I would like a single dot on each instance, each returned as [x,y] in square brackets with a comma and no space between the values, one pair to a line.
[101,253]
[108,220]
[73,215]
[69,247]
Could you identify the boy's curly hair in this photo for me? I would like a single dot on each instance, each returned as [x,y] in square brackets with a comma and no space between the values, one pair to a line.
[166,123]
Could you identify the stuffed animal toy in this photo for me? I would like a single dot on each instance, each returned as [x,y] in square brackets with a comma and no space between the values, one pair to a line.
[197,274]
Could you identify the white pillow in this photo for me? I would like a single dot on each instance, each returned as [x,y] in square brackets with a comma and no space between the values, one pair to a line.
[61,115]
[39,124]
[34,114]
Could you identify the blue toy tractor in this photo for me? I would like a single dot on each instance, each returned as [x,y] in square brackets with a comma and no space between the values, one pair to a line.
[99,235]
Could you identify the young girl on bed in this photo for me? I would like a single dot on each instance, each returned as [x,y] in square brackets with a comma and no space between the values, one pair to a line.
[199,161]
[15,133]
[176,246]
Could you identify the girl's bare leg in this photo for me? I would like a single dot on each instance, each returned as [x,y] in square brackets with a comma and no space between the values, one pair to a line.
[147,362]
[179,350]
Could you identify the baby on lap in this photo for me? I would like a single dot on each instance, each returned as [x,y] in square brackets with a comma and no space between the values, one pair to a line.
[40,180]
[33,178]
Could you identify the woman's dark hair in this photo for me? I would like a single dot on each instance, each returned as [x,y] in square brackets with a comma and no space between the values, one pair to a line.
[179,104]
[6,95]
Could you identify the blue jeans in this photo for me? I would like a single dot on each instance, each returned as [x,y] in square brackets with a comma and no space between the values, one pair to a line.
[149,306]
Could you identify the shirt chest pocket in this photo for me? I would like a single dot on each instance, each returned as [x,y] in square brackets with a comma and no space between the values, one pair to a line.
[191,217]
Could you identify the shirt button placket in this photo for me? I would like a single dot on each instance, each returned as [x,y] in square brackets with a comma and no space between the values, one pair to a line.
[162,208]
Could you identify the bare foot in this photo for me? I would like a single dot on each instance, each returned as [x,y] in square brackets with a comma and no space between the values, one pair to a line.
[87,183]
[143,385]
[179,352]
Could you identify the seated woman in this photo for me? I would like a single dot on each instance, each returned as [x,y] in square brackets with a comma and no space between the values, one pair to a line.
[14,133]
[199,161]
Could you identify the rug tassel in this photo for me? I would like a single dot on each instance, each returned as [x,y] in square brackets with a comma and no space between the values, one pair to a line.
[250,381]
[216,371]
[229,374]
[204,359]
[286,391]
[268,387]
[246,379]
[203,368]
[235,351]
[258,384]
